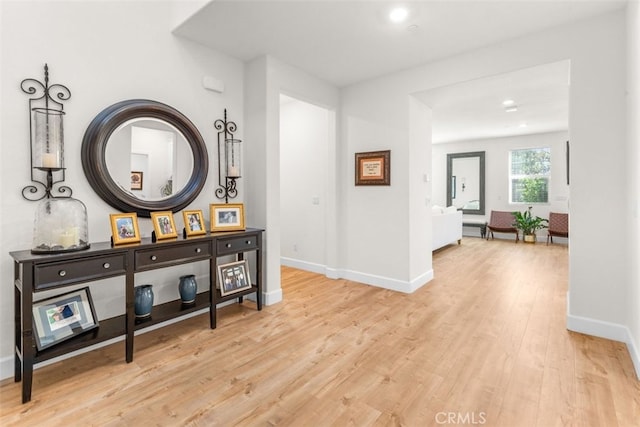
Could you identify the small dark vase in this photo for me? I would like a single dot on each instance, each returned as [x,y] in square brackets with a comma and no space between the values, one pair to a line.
[143,300]
[188,287]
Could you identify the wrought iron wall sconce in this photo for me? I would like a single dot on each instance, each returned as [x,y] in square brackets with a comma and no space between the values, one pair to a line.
[61,221]
[46,138]
[229,159]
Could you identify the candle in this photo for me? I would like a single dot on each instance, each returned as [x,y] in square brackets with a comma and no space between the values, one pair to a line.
[234,172]
[69,237]
[66,240]
[50,160]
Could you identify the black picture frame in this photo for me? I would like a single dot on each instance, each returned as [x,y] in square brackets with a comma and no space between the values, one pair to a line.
[63,317]
[234,277]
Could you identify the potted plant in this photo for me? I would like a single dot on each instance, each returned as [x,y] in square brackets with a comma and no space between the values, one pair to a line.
[526,222]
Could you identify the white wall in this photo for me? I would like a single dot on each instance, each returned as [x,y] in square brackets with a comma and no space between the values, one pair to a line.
[265,79]
[633,159]
[103,52]
[497,172]
[304,151]
[375,116]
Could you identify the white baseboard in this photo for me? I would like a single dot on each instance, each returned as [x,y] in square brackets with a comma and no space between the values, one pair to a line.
[6,367]
[304,265]
[273,297]
[406,287]
[355,276]
[634,352]
[608,330]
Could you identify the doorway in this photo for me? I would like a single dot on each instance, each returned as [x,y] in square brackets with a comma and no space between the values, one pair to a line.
[306,199]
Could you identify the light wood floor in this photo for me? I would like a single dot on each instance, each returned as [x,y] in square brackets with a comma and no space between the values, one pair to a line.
[484,343]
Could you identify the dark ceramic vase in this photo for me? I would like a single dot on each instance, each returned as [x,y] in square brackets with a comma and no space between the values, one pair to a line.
[188,287]
[143,301]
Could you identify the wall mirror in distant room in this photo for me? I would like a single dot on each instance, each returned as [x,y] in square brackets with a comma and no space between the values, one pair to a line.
[465,182]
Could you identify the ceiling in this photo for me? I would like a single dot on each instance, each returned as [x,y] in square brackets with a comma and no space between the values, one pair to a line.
[475,110]
[344,42]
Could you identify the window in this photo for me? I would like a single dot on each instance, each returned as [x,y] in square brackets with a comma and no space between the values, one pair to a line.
[529,175]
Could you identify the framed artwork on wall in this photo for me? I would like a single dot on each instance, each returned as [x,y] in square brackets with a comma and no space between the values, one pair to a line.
[373,168]
[136,180]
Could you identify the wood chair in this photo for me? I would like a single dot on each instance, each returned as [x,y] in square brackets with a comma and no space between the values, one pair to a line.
[501,222]
[558,225]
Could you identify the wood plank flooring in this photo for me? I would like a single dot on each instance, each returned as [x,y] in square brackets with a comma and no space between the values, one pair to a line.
[484,343]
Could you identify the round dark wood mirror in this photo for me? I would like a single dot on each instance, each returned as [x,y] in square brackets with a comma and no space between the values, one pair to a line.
[143,156]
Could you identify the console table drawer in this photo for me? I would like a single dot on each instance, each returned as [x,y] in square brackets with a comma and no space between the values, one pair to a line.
[157,257]
[82,270]
[236,245]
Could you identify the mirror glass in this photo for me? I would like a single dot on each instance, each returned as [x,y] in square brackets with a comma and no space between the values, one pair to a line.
[160,159]
[465,182]
[143,156]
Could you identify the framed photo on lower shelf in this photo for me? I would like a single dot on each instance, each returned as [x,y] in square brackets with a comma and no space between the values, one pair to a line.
[234,277]
[62,317]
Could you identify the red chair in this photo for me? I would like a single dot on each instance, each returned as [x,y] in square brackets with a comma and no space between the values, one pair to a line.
[558,225]
[501,222]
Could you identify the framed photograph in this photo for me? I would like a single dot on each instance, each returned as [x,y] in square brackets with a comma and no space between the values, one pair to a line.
[373,168]
[227,217]
[194,223]
[163,225]
[124,228]
[136,180]
[62,317]
[234,277]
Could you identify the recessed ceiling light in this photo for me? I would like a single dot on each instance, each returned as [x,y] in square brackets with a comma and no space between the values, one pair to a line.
[523,125]
[508,102]
[511,109]
[399,14]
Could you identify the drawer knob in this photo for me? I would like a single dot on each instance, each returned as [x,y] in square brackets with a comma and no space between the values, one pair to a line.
[106,265]
[228,245]
[248,242]
[62,273]
[153,257]
[198,250]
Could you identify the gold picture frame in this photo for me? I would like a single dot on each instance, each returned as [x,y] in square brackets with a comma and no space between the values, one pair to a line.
[194,223]
[124,228]
[227,217]
[373,168]
[163,225]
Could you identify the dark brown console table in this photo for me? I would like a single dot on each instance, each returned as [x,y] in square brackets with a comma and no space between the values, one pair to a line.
[35,273]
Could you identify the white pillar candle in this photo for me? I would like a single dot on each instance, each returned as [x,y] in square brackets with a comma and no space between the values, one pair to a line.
[66,239]
[50,160]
